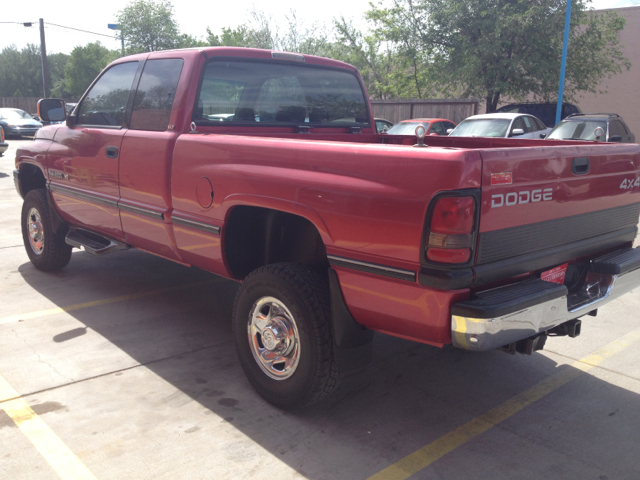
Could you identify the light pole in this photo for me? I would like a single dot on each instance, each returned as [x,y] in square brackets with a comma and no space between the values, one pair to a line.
[563,63]
[115,26]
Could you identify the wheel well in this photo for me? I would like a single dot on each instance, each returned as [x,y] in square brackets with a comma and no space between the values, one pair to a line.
[255,236]
[31,178]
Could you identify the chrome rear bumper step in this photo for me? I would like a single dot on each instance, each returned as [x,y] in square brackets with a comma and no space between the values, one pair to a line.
[504,315]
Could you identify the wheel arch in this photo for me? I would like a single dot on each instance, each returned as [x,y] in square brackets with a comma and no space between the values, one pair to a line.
[255,236]
[30,177]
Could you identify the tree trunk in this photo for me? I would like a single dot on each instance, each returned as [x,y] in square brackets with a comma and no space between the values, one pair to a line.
[492,101]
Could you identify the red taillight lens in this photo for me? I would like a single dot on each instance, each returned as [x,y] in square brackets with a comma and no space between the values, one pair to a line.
[453,215]
[451,229]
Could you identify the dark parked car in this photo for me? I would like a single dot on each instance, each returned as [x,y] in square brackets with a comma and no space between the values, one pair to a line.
[17,122]
[3,144]
[542,111]
[583,126]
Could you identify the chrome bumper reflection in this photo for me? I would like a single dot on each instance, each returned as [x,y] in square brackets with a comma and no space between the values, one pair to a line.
[481,334]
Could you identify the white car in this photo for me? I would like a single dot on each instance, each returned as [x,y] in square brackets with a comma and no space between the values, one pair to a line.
[506,125]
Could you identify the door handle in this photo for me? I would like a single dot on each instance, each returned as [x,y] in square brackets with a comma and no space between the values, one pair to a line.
[580,166]
[111,151]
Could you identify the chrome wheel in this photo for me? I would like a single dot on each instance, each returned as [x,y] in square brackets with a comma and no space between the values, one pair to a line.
[36,231]
[274,338]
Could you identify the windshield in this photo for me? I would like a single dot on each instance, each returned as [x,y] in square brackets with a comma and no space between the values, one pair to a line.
[572,130]
[486,127]
[11,114]
[274,93]
[407,128]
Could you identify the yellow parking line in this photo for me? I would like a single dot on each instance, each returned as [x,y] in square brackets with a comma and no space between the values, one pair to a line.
[50,446]
[96,303]
[425,456]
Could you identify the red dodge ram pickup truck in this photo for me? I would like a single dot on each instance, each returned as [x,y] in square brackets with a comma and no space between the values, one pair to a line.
[265,167]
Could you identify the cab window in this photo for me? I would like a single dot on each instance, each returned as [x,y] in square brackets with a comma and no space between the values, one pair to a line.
[155,94]
[106,102]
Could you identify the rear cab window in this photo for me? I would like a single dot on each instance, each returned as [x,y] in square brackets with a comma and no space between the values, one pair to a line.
[154,96]
[258,93]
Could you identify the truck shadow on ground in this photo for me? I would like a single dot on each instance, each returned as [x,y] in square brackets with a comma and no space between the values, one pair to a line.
[410,395]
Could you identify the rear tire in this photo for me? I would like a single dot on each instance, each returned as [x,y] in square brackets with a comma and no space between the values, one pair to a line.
[46,249]
[281,327]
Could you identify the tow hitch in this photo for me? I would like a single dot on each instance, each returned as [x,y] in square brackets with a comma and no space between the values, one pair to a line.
[535,343]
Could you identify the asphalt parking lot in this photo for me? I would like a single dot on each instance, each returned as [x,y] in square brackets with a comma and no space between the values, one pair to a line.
[123,367]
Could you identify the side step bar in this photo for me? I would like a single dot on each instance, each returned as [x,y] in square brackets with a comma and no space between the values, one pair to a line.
[93,243]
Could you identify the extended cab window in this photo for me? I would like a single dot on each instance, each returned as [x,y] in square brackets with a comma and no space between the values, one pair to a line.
[266,93]
[106,102]
[155,94]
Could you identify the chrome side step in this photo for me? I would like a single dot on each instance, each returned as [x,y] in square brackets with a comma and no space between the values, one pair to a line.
[92,242]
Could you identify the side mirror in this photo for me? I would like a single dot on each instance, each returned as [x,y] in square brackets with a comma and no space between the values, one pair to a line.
[51,110]
[517,131]
[449,130]
[543,135]
[615,138]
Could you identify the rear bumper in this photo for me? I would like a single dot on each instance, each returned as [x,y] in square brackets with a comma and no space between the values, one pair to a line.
[508,314]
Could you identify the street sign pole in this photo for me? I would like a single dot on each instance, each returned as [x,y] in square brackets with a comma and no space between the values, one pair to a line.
[563,64]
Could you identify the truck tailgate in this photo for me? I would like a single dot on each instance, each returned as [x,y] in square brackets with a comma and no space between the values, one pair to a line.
[548,205]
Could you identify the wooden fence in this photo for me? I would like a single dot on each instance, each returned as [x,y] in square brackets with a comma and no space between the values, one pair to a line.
[28,104]
[402,109]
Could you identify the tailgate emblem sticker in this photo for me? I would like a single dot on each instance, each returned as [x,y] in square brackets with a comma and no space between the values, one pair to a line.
[525,196]
[505,178]
[555,275]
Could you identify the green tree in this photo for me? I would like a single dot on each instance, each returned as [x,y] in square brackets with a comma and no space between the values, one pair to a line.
[260,31]
[21,71]
[83,66]
[495,48]
[148,26]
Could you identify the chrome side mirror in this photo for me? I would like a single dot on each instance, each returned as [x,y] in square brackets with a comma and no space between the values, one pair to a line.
[517,131]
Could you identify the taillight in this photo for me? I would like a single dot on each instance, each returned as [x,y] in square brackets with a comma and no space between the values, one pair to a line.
[1,135]
[451,230]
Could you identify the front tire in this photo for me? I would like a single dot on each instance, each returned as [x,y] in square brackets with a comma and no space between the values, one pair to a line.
[46,249]
[281,327]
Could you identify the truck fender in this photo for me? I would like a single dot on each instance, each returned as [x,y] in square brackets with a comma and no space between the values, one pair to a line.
[279,204]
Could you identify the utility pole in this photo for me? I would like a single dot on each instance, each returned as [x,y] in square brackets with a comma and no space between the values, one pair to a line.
[45,65]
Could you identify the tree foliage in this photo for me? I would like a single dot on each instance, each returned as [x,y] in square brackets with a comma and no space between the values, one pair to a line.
[21,72]
[495,48]
[148,26]
[83,66]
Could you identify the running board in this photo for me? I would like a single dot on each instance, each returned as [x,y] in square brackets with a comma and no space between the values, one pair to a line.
[93,243]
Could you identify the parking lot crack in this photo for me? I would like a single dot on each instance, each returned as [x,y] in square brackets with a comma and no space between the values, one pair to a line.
[40,359]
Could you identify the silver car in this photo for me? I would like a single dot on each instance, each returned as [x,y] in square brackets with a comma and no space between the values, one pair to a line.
[506,125]
[16,122]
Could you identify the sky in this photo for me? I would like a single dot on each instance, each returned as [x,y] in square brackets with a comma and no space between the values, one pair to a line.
[193,17]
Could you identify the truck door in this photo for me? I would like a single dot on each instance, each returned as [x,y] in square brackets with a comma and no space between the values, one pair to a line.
[145,162]
[83,161]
